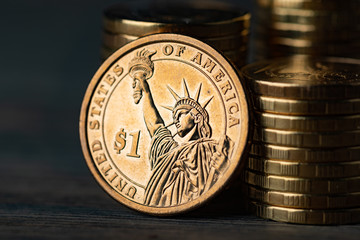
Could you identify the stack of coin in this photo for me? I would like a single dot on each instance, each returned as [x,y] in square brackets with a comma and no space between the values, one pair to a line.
[304,162]
[220,25]
[312,27]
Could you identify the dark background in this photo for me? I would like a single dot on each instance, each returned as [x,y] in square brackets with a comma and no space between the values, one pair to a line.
[49,51]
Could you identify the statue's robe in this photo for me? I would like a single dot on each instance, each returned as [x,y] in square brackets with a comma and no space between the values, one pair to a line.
[180,172]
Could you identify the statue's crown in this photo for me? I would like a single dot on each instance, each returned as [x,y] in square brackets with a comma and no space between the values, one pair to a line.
[188,102]
[142,62]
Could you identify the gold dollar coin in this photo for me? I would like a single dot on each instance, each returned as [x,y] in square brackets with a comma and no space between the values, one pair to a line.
[213,19]
[306,107]
[298,200]
[304,170]
[306,155]
[307,139]
[303,77]
[307,123]
[164,124]
[303,185]
[306,216]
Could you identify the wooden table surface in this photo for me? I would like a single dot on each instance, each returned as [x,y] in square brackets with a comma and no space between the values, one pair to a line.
[53,196]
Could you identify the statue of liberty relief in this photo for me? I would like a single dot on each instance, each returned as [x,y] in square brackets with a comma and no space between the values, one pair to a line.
[180,172]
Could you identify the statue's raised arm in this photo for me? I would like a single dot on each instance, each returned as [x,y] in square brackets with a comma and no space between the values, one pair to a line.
[141,68]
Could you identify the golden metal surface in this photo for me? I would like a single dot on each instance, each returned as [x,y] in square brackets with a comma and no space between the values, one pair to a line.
[307,38]
[303,185]
[207,19]
[306,201]
[306,216]
[226,43]
[307,4]
[304,170]
[306,107]
[221,25]
[307,139]
[305,155]
[320,22]
[164,124]
[303,77]
[306,17]
[348,48]
[311,44]
[278,51]
[307,123]
[237,57]
[316,28]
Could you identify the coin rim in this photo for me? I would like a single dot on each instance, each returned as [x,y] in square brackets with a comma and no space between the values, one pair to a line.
[307,139]
[268,196]
[304,123]
[296,184]
[310,216]
[274,167]
[304,155]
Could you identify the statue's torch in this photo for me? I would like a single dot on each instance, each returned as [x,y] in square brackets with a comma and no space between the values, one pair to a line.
[141,68]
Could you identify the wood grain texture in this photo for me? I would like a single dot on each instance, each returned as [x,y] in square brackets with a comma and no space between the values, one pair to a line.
[44,200]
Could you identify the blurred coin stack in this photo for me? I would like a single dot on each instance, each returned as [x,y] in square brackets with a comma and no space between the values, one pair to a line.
[312,27]
[223,26]
[304,163]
